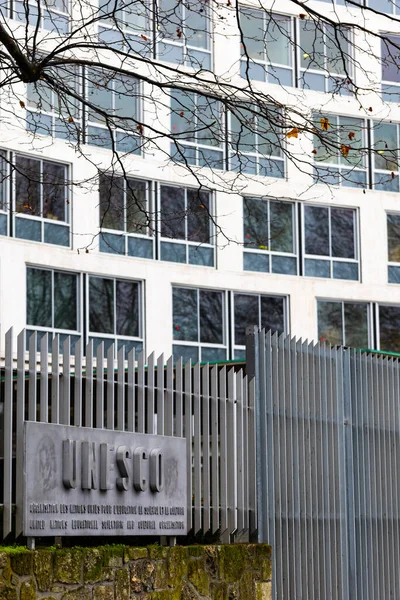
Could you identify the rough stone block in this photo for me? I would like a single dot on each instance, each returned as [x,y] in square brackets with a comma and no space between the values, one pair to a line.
[43,569]
[142,575]
[177,565]
[198,576]
[68,565]
[27,590]
[263,590]
[122,584]
[103,592]
[81,593]
[161,575]
[157,552]
[92,565]
[22,562]
[135,553]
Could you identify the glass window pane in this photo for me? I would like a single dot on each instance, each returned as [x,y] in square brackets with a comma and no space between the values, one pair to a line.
[342,232]
[198,219]
[311,45]
[281,227]
[196,23]
[247,313]
[243,127]
[389,328]
[111,202]
[211,317]
[126,94]
[255,223]
[127,307]
[27,186]
[173,212]
[38,297]
[356,325]
[99,91]
[183,110]
[316,226]
[170,19]
[54,191]
[390,58]
[330,323]
[101,305]
[268,133]
[252,25]
[386,146]
[393,227]
[209,128]
[326,142]
[65,301]
[279,38]
[337,49]
[351,138]
[137,210]
[185,318]
[273,314]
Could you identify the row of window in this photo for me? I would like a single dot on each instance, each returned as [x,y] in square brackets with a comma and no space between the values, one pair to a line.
[207,325]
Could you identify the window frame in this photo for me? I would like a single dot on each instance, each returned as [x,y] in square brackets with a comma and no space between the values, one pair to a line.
[185,242]
[378,323]
[390,90]
[138,43]
[370,313]
[44,221]
[44,9]
[138,341]
[393,266]
[268,252]
[329,258]
[376,172]
[201,346]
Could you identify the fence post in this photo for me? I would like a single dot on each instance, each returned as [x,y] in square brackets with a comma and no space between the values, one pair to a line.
[253,372]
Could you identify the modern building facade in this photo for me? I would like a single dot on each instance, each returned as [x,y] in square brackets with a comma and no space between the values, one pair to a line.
[302,237]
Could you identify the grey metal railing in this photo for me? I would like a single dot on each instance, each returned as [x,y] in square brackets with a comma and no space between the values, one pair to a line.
[212,407]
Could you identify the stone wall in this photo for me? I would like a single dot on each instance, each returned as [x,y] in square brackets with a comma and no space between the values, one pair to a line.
[231,572]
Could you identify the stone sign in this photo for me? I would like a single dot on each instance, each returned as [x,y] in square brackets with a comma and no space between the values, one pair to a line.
[82,481]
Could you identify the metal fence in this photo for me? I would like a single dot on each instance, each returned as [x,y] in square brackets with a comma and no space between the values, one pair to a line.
[328,451]
[212,407]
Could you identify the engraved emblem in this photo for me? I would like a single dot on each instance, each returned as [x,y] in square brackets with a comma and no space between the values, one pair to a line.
[47,467]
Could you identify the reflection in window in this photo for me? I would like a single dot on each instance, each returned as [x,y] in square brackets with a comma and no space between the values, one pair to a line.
[338,151]
[390,7]
[52,302]
[186,226]
[386,156]
[4,198]
[198,324]
[41,201]
[330,246]
[266,46]
[125,25]
[390,53]
[393,234]
[343,323]
[197,129]
[52,15]
[115,313]
[113,114]
[184,33]
[389,328]
[255,141]
[267,312]
[268,236]
[125,217]
[325,53]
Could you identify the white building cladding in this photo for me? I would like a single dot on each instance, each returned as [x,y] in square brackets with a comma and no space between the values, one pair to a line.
[283,250]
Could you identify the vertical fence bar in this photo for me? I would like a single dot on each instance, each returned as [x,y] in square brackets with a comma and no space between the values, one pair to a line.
[65,412]
[20,415]
[231,450]
[169,399]
[131,391]
[78,384]
[55,379]
[197,448]
[44,377]
[223,460]
[7,438]
[110,388]
[252,460]
[140,394]
[189,436]
[179,397]
[205,415]
[239,450]
[246,512]
[100,386]
[32,405]
[121,390]
[160,395]
[89,385]
[150,394]
[215,470]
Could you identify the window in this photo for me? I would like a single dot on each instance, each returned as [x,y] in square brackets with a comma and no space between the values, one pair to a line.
[344,323]
[125,25]
[196,127]
[325,53]
[198,324]
[184,33]
[125,207]
[386,156]
[266,46]
[113,120]
[52,303]
[186,226]
[256,147]
[49,113]
[41,201]
[115,314]
[52,15]
[389,328]
[389,7]
[4,202]
[269,312]
[338,151]
[393,233]
[269,236]
[330,242]
[390,53]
